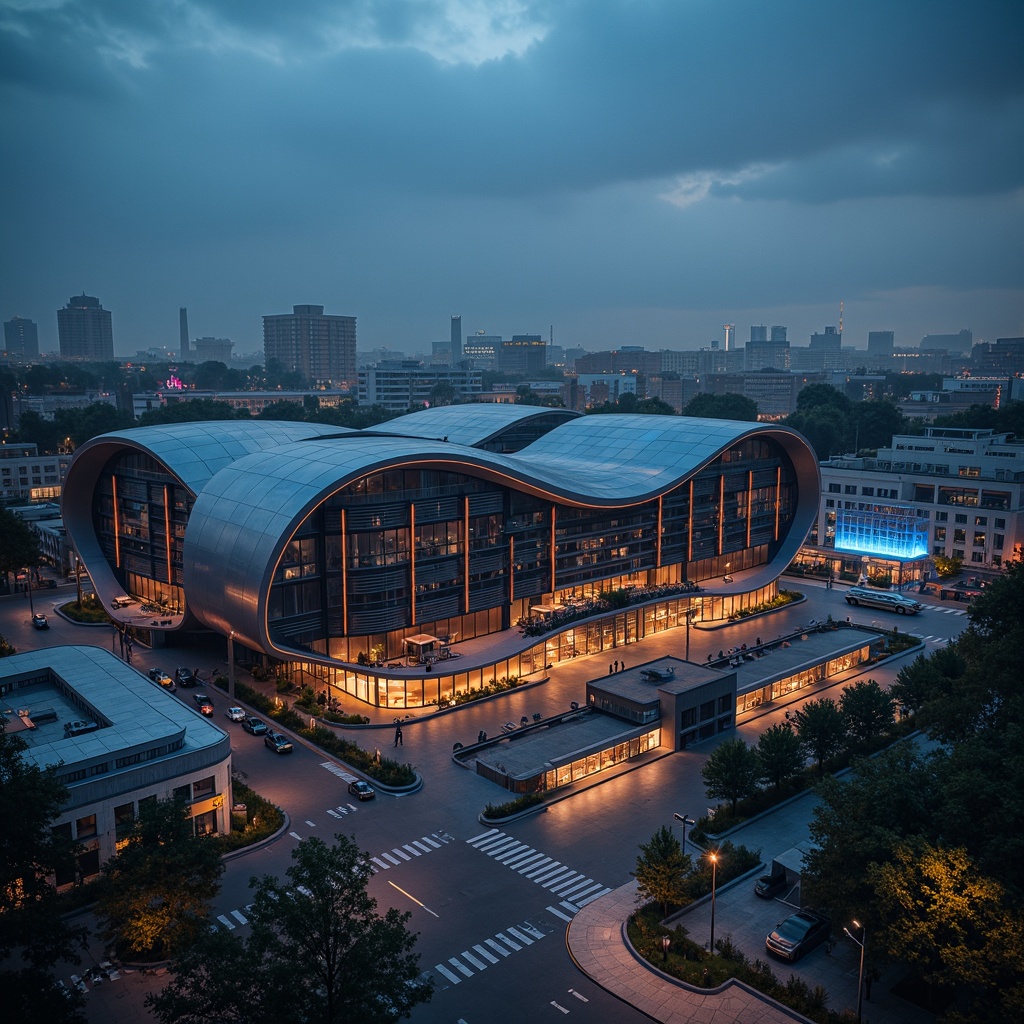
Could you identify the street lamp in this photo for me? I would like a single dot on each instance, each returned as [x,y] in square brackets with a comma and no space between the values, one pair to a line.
[231,664]
[666,941]
[28,587]
[860,975]
[714,882]
[691,614]
[685,820]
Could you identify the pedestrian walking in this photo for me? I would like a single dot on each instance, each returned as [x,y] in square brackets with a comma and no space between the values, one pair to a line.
[623,669]
[616,664]
[609,669]
[398,737]
[758,641]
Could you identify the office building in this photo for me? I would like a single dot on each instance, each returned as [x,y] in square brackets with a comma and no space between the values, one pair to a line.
[960,343]
[321,347]
[964,485]
[25,475]
[213,350]
[324,548]
[21,339]
[481,351]
[117,740]
[403,384]
[525,353]
[185,352]
[881,344]
[85,329]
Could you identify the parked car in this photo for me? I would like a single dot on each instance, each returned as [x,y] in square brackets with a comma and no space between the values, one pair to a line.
[39,621]
[769,886]
[362,790]
[184,677]
[798,934]
[278,744]
[887,600]
[255,726]
[158,675]
[235,714]
[204,703]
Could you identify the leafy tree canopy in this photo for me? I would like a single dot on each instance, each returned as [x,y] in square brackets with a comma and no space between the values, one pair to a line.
[867,708]
[821,728]
[20,547]
[194,410]
[729,406]
[779,753]
[661,869]
[318,952]
[731,772]
[816,395]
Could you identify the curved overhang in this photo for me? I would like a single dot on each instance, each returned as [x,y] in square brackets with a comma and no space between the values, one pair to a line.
[192,453]
[244,518]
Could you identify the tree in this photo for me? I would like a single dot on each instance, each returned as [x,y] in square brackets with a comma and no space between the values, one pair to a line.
[948,568]
[874,424]
[924,678]
[815,396]
[20,547]
[731,772]
[193,410]
[867,708]
[952,924]
[825,426]
[730,406]
[293,411]
[821,729]
[661,869]
[442,393]
[33,934]
[318,951]
[779,754]
[160,883]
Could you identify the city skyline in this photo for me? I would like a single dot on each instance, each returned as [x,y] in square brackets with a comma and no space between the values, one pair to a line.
[623,174]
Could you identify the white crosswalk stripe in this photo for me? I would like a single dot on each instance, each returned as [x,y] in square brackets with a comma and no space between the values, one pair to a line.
[547,872]
[336,769]
[239,917]
[415,847]
[494,950]
[224,921]
[558,913]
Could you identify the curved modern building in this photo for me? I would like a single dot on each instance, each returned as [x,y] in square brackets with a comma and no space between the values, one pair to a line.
[329,548]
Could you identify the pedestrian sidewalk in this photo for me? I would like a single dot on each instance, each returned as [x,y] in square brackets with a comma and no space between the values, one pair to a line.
[597,944]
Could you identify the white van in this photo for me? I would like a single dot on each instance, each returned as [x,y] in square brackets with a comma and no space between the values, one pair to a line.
[887,600]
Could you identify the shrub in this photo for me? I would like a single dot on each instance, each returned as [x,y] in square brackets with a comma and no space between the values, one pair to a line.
[521,803]
[90,610]
[262,819]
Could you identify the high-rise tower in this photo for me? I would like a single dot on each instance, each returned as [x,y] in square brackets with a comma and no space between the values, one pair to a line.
[183,333]
[322,347]
[456,340]
[21,338]
[85,330]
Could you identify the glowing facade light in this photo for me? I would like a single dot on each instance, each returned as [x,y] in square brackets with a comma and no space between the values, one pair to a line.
[888,531]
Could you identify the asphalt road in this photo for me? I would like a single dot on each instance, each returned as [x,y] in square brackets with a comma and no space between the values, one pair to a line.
[492,936]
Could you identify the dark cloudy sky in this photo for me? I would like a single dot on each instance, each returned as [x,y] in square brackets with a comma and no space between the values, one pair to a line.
[629,171]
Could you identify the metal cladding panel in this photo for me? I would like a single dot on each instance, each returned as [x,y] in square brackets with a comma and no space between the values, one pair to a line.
[610,461]
[471,424]
[190,452]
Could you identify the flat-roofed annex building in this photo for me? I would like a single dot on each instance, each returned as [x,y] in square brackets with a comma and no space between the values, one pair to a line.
[324,546]
[119,739]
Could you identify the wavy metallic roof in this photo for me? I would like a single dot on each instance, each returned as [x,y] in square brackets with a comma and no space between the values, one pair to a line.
[473,424]
[248,512]
[192,452]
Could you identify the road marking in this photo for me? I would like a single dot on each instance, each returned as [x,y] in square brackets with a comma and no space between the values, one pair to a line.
[499,947]
[564,883]
[380,863]
[535,869]
[394,860]
[412,850]
[401,853]
[413,898]
[483,835]
[333,814]
[224,921]
[558,913]
[239,917]
[594,896]
[424,847]
[454,961]
[579,995]
[311,824]
[521,937]
[295,835]
[441,969]
[504,938]
[484,953]
[558,1007]
[477,963]
[571,907]
[338,770]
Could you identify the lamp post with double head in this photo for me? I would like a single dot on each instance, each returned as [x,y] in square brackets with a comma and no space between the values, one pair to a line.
[862,941]
[685,820]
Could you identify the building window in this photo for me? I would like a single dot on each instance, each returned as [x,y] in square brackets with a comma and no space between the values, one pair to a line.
[959,536]
[123,818]
[205,824]
[833,488]
[830,503]
[203,788]
[183,793]
[725,703]
[1000,524]
[942,517]
[85,827]
[689,717]
[997,542]
[868,492]
[707,710]
[979,539]
[850,489]
[981,520]
[958,552]
[960,519]
[940,534]
[938,550]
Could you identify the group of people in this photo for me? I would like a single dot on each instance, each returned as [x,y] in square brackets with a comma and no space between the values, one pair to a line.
[616,667]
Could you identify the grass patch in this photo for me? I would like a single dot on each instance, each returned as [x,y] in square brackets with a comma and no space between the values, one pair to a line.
[89,611]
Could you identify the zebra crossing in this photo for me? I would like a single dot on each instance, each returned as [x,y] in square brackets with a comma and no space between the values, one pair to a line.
[336,769]
[485,954]
[574,889]
[224,920]
[931,639]
[399,855]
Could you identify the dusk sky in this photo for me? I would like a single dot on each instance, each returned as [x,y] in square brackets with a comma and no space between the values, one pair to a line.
[628,171]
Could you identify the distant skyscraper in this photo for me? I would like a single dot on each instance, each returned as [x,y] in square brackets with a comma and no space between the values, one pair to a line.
[758,332]
[880,343]
[525,353]
[778,333]
[830,341]
[730,336]
[21,338]
[183,332]
[322,347]
[214,350]
[962,342]
[456,340]
[84,329]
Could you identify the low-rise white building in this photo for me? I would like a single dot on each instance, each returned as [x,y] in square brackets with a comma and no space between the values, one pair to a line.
[119,739]
[968,484]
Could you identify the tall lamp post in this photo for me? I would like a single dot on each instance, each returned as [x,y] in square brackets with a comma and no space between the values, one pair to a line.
[714,881]
[685,820]
[691,614]
[28,587]
[231,664]
[860,975]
